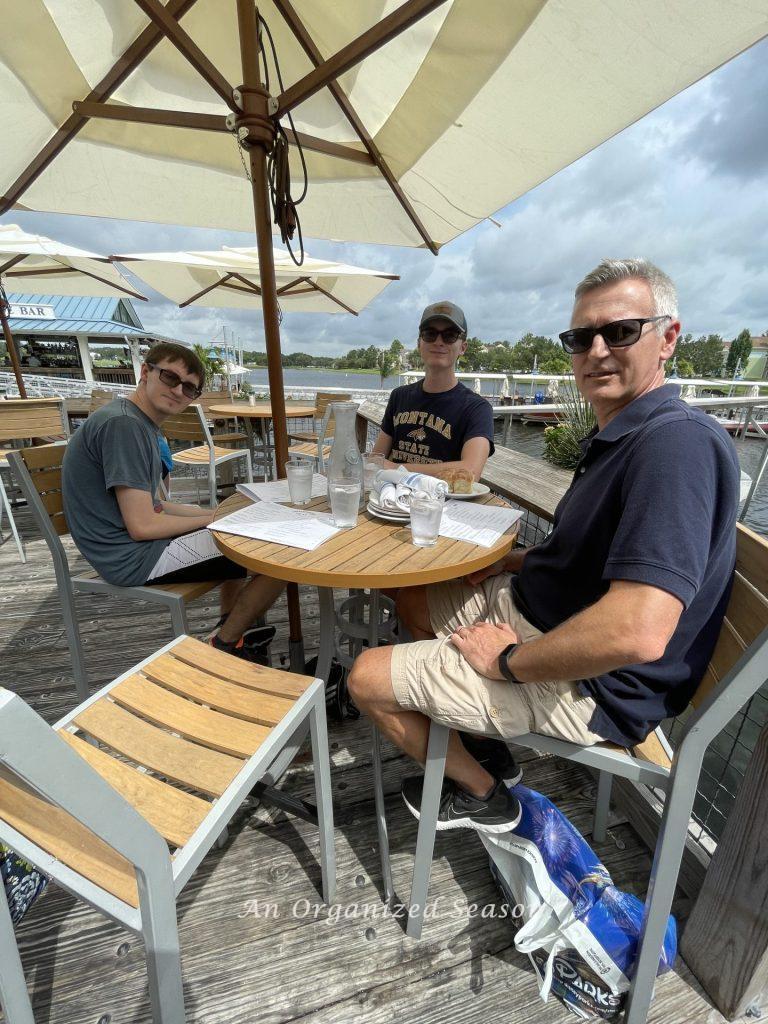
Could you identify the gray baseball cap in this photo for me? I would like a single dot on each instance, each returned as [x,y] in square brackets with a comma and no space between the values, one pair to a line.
[444,310]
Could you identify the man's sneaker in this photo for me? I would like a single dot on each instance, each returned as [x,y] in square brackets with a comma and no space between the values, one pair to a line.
[239,649]
[494,756]
[496,813]
[256,639]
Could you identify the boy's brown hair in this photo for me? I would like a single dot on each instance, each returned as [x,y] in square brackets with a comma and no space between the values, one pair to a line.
[171,352]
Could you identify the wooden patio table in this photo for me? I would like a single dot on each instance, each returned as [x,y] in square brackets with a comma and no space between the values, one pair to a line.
[375,554]
[261,414]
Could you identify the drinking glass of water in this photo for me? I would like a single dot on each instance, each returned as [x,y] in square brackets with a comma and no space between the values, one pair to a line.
[371,466]
[344,496]
[426,513]
[299,473]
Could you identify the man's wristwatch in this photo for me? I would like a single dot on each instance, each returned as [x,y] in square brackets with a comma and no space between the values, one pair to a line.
[504,668]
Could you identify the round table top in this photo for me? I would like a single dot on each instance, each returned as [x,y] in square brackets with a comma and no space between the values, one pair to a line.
[374,553]
[261,410]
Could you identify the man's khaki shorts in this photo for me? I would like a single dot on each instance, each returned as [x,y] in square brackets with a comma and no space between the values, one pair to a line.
[431,676]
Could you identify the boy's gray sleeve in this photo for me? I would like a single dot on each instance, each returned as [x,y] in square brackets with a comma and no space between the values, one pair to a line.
[126,455]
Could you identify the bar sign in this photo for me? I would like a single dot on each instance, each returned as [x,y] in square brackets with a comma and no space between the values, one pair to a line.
[28,312]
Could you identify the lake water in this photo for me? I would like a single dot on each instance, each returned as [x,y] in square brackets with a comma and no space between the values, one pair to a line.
[525,438]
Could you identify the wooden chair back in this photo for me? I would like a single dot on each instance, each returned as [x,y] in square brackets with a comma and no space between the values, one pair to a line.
[186,426]
[747,614]
[99,397]
[321,408]
[43,463]
[22,419]
[209,398]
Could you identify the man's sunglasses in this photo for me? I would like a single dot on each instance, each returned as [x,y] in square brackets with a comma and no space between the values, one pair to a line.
[448,334]
[617,334]
[172,380]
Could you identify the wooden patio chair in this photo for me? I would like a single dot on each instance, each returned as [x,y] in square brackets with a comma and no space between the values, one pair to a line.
[225,436]
[121,800]
[22,421]
[315,447]
[99,397]
[38,473]
[320,417]
[738,668]
[190,426]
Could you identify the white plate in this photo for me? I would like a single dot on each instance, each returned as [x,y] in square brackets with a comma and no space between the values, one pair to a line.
[387,511]
[477,490]
[388,516]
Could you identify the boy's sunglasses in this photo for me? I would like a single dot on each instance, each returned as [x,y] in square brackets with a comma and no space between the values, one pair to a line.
[618,334]
[448,334]
[173,380]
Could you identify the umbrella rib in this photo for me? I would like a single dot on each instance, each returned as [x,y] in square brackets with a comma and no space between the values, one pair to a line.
[153,115]
[307,43]
[293,284]
[144,43]
[111,284]
[207,123]
[12,263]
[203,291]
[324,291]
[353,53]
[189,49]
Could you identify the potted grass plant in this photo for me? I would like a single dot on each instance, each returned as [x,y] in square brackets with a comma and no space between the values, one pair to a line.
[561,442]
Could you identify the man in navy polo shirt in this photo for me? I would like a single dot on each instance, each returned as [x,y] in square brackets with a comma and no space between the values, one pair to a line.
[436,423]
[605,629]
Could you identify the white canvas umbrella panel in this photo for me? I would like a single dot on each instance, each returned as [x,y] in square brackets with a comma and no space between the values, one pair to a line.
[471,105]
[230,279]
[36,264]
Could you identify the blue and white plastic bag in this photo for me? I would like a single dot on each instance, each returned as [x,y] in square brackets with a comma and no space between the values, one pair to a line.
[579,930]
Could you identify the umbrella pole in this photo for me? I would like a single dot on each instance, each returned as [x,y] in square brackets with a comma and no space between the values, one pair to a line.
[11,344]
[252,99]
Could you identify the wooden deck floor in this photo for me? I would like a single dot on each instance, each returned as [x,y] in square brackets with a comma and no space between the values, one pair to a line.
[257,944]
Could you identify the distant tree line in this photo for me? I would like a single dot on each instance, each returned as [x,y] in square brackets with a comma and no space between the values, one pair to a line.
[704,356]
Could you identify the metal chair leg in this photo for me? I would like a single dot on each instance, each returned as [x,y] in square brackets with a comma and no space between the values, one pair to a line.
[161,944]
[14,997]
[5,504]
[425,842]
[661,889]
[75,643]
[602,806]
[179,618]
[321,759]
[381,815]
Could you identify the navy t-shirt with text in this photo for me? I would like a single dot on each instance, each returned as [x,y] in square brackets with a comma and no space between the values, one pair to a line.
[431,427]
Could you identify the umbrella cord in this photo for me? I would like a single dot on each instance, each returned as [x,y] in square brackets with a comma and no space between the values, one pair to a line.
[284,206]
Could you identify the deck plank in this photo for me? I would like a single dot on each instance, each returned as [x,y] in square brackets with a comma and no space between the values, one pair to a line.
[239,967]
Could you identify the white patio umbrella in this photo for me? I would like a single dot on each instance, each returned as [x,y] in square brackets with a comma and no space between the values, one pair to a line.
[229,278]
[39,264]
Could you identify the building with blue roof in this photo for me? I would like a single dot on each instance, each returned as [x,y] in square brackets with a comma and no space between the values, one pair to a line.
[56,335]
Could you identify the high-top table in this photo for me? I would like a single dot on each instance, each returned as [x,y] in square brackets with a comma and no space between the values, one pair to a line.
[261,414]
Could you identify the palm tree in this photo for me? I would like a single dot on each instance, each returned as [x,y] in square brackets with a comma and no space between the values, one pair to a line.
[211,363]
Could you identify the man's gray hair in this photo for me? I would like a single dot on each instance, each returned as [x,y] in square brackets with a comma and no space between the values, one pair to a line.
[663,291]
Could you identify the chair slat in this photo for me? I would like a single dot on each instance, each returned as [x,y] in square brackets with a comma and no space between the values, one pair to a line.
[261,708]
[44,456]
[173,813]
[188,591]
[256,677]
[205,770]
[651,750]
[63,837]
[752,557]
[747,610]
[211,728]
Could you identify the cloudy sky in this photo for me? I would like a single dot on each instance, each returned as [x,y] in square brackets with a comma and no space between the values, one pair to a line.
[686,187]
